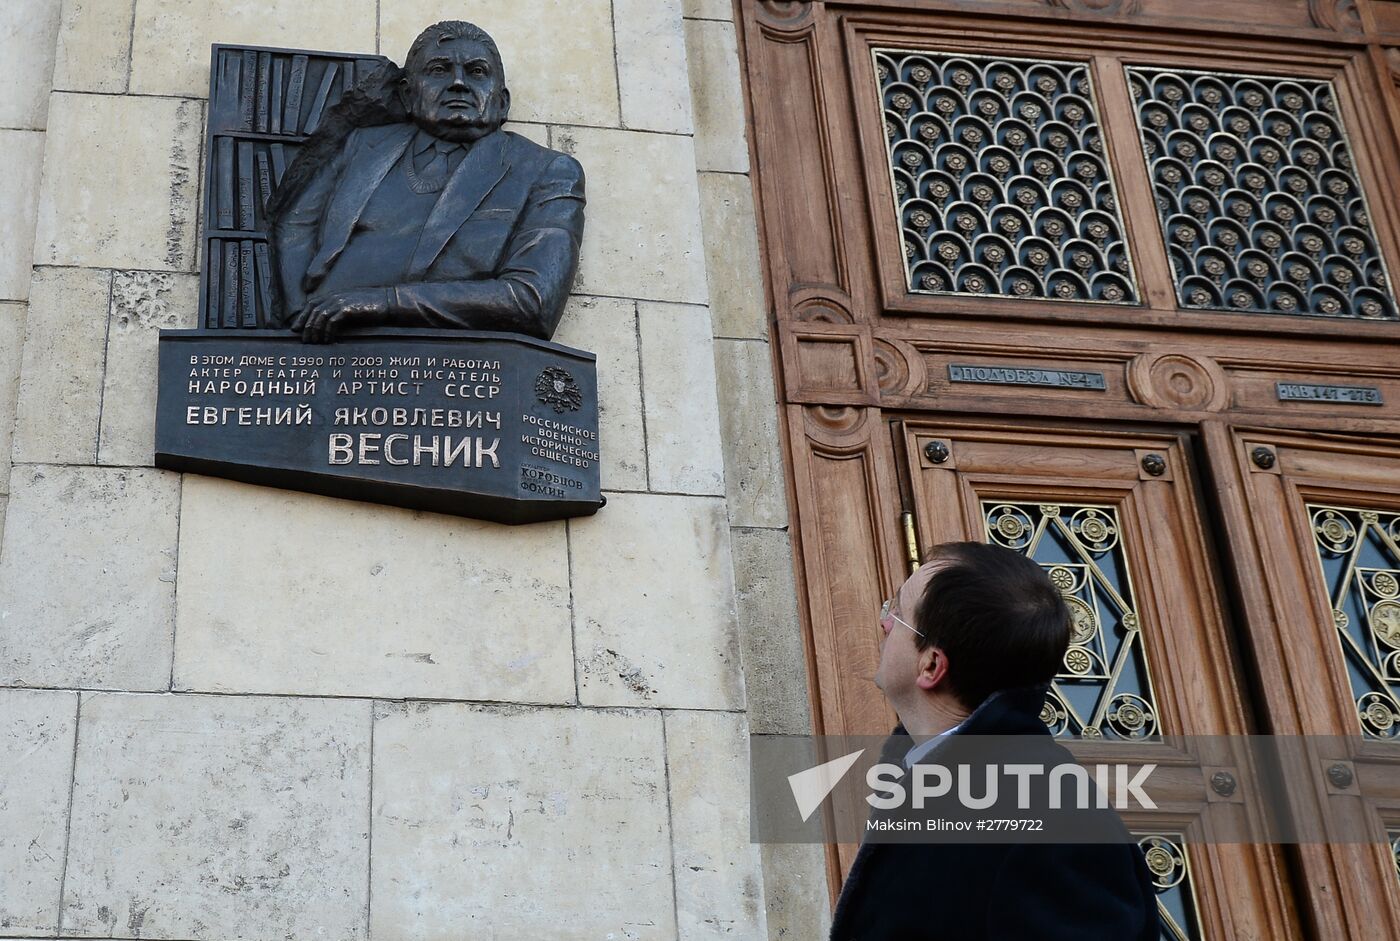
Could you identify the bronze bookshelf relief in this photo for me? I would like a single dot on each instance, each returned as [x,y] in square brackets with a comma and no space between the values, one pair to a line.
[384,268]
[263,105]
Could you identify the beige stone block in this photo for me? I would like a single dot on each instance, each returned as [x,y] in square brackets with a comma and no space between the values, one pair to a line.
[653,604]
[36,768]
[796,897]
[653,81]
[608,327]
[708,9]
[12,318]
[519,823]
[282,592]
[87,578]
[753,462]
[28,33]
[738,307]
[60,380]
[143,303]
[94,46]
[643,233]
[19,204]
[558,54]
[170,40]
[719,882]
[775,661]
[678,375]
[220,817]
[539,133]
[717,94]
[120,181]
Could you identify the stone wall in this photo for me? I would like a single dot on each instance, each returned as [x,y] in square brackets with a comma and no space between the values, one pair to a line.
[238,712]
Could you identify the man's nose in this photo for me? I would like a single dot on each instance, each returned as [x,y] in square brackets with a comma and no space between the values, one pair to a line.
[459,77]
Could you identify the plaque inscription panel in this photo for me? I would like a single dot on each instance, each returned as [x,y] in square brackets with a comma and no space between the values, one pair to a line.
[488,425]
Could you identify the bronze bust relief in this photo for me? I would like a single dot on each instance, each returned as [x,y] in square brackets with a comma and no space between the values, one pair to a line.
[413,207]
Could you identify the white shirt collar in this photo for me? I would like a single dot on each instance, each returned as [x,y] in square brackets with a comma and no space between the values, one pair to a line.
[920,751]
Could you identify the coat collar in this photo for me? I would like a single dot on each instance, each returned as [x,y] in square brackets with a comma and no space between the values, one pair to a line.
[348,202]
[1009,712]
[476,175]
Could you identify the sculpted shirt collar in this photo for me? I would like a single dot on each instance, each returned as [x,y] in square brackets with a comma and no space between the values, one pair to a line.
[423,141]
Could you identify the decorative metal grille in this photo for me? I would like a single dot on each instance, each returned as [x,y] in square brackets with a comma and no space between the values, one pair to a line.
[1000,179]
[1359,551]
[1104,689]
[1259,202]
[1171,876]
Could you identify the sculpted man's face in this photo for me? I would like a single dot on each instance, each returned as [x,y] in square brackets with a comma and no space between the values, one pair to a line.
[455,90]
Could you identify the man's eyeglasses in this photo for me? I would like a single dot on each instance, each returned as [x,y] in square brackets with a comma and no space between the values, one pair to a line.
[887,613]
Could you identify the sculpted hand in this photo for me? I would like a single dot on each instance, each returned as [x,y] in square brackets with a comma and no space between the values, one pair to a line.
[324,317]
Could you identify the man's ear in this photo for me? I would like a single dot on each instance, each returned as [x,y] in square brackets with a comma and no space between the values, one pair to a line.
[403,93]
[933,668]
[505,104]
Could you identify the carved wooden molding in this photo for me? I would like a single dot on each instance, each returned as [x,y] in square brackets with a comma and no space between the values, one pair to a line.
[1339,15]
[828,363]
[1107,7]
[1175,381]
[899,369]
[785,15]
[827,304]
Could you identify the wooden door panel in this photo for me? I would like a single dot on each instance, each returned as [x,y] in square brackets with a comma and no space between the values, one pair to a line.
[1022,487]
[1299,508]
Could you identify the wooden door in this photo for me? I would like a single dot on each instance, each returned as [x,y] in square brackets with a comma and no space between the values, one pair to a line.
[1316,519]
[1055,237]
[1114,519]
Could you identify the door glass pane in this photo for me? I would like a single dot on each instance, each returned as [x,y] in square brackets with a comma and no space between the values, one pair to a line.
[1170,867]
[1104,689]
[1000,180]
[1259,202]
[1360,561]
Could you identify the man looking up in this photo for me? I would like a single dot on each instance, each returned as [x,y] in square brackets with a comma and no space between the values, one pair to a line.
[971,643]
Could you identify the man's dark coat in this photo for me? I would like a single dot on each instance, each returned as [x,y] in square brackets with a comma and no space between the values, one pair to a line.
[979,891]
[499,250]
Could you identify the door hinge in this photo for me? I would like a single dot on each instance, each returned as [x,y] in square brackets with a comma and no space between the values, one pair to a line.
[911,541]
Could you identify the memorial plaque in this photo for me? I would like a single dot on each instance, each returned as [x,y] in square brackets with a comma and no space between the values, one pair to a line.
[488,425]
[384,267]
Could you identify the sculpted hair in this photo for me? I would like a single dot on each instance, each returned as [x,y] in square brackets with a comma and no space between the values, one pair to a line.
[996,615]
[454,29]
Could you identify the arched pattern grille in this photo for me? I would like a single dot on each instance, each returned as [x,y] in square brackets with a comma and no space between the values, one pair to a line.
[1259,202]
[1000,179]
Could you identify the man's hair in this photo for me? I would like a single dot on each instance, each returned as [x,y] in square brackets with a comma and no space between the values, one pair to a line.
[996,615]
[448,30]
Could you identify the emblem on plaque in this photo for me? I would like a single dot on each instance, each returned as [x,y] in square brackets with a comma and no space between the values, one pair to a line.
[385,264]
[554,386]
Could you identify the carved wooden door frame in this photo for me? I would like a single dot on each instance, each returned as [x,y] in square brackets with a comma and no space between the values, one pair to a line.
[856,351]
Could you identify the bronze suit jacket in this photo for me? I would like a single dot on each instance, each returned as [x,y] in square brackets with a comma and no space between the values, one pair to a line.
[499,250]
